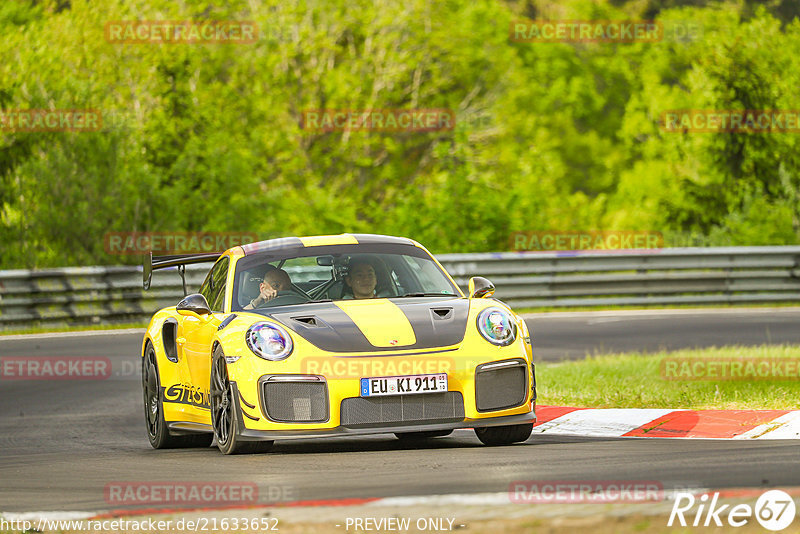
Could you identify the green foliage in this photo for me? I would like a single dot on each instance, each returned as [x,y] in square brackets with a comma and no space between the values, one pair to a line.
[561,136]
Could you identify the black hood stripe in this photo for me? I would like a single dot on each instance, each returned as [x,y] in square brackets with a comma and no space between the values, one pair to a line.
[335,331]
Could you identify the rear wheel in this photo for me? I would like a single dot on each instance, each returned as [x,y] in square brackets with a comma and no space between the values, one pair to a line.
[223,413]
[422,435]
[504,435]
[157,431]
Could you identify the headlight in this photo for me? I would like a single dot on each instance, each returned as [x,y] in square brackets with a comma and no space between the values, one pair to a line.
[269,341]
[497,327]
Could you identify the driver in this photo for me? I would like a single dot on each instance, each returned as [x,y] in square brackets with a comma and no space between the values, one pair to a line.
[361,279]
[274,280]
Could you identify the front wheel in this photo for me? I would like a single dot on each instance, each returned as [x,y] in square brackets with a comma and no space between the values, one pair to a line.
[504,435]
[223,412]
[157,431]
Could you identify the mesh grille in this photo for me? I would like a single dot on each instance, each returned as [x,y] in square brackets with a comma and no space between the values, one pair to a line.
[497,389]
[303,402]
[403,409]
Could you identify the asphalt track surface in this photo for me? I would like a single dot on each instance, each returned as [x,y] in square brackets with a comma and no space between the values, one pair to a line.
[63,442]
[574,335]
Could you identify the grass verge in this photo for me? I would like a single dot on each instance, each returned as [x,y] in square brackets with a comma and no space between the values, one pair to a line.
[637,380]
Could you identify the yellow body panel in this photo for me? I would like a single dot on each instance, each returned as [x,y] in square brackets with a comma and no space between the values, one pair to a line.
[322,240]
[186,383]
[343,372]
[380,320]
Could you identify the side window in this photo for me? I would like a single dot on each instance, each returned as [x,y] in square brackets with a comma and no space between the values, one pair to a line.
[429,277]
[205,288]
[218,293]
[213,288]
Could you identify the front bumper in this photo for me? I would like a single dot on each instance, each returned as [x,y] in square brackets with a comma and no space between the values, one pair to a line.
[260,414]
[258,435]
[250,434]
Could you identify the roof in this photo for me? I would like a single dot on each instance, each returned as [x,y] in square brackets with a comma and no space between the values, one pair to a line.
[285,243]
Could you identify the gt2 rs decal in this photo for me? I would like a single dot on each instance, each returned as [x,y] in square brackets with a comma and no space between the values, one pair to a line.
[186,394]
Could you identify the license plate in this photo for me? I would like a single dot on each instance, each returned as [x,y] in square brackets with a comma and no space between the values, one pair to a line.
[403,385]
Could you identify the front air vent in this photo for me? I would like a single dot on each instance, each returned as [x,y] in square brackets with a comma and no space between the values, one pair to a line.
[402,409]
[298,399]
[501,385]
[308,321]
[169,336]
[442,313]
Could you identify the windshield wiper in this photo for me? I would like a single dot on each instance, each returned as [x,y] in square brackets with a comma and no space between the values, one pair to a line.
[426,295]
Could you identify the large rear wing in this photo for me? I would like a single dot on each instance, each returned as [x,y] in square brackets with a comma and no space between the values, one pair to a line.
[151,263]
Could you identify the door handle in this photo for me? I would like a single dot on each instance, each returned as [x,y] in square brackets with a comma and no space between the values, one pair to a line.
[180,341]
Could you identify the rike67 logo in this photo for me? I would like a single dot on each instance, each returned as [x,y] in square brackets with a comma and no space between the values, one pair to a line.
[774,510]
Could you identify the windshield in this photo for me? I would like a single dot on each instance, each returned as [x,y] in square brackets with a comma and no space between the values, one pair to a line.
[337,273]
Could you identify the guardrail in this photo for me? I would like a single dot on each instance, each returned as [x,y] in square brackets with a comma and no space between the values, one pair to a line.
[735,275]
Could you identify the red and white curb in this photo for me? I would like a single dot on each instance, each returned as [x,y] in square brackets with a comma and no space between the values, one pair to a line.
[665,423]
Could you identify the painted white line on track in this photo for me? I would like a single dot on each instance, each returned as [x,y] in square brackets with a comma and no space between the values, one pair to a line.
[659,313]
[502,499]
[458,498]
[602,320]
[46,516]
[82,333]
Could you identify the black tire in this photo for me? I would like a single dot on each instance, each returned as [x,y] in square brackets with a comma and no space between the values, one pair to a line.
[422,435]
[504,435]
[157,432]
[224,416]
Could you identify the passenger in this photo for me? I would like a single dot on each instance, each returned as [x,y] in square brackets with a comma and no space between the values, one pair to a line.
[361,280]
[274,280]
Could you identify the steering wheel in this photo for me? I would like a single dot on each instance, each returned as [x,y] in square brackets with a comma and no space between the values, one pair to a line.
[293,295]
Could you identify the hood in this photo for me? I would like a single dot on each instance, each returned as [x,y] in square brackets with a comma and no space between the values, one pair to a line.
[376,325]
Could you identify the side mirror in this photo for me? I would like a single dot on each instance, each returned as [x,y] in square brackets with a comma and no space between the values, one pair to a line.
[480,287]
[194,305]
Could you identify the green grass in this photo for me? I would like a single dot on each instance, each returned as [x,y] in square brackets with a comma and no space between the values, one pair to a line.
[655,307]
[635,381]
[72,328]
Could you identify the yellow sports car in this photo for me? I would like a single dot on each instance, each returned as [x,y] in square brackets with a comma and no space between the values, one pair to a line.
[333,336]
